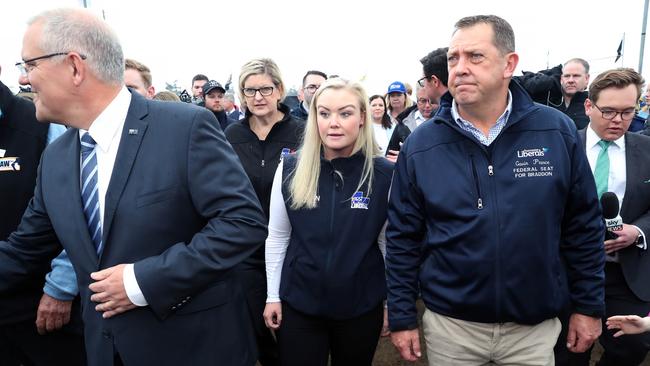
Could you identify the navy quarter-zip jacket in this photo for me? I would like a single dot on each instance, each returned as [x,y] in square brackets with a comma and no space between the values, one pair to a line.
[492,233]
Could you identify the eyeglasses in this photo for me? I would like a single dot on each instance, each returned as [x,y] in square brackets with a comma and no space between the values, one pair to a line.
[311,88]
[611,114]
[424,101]
[421,81]
[27,65]
[265,91]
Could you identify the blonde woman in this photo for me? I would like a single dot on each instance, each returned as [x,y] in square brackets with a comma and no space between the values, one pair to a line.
[324,264]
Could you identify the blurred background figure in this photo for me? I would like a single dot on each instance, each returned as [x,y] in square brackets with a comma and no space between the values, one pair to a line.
[197,88]
[137,76]
[381,123]
[167,96]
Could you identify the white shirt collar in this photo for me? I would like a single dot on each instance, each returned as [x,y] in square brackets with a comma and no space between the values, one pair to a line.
[110,121]
[593,139]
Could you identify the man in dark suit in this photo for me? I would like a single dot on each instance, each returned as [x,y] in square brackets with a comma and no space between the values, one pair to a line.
[27,310]
[148,199]
[620,163]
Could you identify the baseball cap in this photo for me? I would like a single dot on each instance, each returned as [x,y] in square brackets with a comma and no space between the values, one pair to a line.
[211,85]
[396,87]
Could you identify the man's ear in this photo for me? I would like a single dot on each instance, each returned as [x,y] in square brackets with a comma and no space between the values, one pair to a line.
[78,67]
[301,94]
[151,91]
[588,107]
[512,60]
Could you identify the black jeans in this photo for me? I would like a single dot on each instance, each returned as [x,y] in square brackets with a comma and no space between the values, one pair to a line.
[309,340]
[253,281]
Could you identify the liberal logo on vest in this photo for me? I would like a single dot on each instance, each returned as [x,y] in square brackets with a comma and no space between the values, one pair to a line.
[359,201]
[10,164]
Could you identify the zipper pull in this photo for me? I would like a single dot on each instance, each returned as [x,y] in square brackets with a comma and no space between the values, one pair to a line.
[490,170]
[262,163]
[480,204]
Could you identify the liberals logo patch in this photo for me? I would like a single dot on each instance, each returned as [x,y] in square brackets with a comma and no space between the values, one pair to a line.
[529,153]
[286,151]
[359,201]
[9,164]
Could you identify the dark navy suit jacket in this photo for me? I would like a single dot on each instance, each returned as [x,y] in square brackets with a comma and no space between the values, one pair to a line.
[635,210]
[180,207]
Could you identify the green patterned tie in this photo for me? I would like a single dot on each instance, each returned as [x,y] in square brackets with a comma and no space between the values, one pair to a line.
[601,173]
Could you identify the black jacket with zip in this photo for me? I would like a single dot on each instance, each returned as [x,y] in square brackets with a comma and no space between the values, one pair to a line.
[260,158]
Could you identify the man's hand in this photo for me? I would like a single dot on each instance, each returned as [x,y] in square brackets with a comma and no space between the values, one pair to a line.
[628,324]
[109,291]
[583,331]
[407,343]
[52,314]
[392,155]
[626,237]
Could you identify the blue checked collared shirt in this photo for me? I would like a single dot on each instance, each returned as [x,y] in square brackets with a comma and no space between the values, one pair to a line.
[494,130]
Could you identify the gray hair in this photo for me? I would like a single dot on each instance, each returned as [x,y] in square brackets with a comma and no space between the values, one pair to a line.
[67,30]
[230,96]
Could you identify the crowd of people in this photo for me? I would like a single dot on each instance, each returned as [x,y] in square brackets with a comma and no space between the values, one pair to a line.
[144,228]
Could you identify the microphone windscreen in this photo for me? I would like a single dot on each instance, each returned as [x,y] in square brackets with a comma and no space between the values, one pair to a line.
[609,203]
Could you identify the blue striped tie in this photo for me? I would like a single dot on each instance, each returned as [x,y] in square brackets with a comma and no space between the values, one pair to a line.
[89,190]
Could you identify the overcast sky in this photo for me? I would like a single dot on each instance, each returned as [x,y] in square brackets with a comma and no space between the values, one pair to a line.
[381,41]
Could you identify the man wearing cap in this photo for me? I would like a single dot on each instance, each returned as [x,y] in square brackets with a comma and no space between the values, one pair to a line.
[397,100]
[213,93]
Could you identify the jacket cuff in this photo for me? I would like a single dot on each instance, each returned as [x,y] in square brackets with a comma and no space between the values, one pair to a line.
[598,312]
[406,324]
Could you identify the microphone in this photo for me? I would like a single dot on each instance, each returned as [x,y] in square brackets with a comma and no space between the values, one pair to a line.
[613,221]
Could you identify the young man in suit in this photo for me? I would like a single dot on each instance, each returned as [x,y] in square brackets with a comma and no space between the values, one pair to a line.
[148,199]
[620,164]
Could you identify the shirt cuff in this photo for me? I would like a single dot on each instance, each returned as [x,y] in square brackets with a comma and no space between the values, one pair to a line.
[643,245]
[131,287]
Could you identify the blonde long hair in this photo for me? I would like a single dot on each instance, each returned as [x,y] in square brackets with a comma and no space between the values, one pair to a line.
[303,185]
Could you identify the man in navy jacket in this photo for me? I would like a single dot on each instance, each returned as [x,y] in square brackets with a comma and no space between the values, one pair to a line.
[487,201]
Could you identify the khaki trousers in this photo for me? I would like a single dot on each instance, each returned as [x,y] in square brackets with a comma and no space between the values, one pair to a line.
[452,341]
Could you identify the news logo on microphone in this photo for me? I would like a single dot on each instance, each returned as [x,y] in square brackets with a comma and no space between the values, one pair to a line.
[613,221]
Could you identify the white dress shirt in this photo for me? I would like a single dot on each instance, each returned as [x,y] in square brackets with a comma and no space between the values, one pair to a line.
[617,169]
[106,130]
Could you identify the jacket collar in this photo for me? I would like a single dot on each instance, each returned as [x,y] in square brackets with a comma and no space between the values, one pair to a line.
[522,105]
